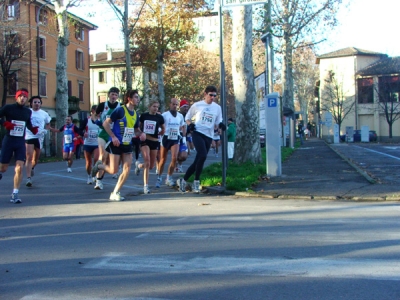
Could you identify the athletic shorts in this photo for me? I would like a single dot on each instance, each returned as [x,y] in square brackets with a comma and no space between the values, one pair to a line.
[167,144]
[89,148]
[12,145]
[69,148]
[153,145]
[34,142]
[121,149]
[183,147]
[189,139]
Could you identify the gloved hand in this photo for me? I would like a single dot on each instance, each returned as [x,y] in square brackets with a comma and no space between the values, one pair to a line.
[35,129]
[8,125]
[222,126]
[191,127]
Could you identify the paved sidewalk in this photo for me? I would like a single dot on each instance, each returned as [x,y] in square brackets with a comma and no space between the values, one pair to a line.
[318,170]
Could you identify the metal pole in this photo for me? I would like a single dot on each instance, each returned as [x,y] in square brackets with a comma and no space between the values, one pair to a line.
[222,96]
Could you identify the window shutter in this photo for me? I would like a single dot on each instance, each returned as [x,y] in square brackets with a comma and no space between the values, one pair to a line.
[77,59]
[16,7]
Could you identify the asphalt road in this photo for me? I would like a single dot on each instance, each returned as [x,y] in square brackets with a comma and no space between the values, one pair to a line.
[67,241]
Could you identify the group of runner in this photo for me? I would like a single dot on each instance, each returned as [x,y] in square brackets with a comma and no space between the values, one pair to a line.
[109,135]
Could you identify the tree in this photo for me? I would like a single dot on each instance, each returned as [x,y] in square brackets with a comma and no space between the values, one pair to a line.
[13,48]
[61,7]
[128,25]
[305,75]
[334,99]
[247,144]
[164,27]
[293,21]
[388,96]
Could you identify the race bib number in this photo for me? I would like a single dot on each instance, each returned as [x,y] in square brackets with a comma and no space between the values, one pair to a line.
[173,134]
[207,119]
[129,133]
[19,127]
[68,139]
[149,127]
[92,135]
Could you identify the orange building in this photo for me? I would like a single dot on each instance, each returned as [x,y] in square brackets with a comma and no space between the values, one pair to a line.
[33,24]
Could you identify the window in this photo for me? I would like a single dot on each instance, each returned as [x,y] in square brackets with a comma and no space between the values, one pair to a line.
[79,33]
[43,15]
[69,88]
[12,44]
[12,9]
[12,81]
[213,35]
[389,88]
[365,90]
[102,77]
[79,60]
[41,47]
[80,87]
[43,84]
[123,75]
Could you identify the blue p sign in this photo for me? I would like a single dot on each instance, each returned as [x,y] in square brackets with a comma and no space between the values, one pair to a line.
[272,102]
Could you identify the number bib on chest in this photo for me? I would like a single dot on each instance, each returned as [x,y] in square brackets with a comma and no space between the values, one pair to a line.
[19,127]
[128,135]
[149,127]
[207,119]
[68,139]
[173,134]
[92,135]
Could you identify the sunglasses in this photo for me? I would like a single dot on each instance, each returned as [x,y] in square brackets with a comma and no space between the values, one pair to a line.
[212,95]
[36,102]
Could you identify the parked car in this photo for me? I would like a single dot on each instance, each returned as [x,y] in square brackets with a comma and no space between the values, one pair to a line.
[373,137]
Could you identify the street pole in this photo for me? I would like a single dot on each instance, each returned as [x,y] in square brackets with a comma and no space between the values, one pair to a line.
[38,45]
[222,94]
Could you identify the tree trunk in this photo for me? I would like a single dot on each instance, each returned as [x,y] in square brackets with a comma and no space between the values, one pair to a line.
[61,73]
[247,144]
[127,48]
[160,80]
[287,79]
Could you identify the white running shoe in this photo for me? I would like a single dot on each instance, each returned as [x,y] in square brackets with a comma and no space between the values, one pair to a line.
[95,168]
[89,180]
[137,169]
[156,171]
[29,182]
[99,185]
[146,189]
[69,170]
[169,182]
[196,186]
[158,183]
[116,197]
[15,198]
[181,183]
[180,169]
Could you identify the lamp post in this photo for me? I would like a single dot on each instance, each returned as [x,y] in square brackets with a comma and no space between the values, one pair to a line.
[38,45]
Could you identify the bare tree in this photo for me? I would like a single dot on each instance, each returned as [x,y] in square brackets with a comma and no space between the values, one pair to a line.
[388,100]
[335,100]
[247,144]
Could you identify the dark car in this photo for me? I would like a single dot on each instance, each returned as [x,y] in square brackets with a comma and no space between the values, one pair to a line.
[373,137]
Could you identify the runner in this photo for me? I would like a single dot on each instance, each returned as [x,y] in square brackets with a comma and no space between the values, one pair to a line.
[90,131]
[104,110]
[207,116]
[174,123]
[34,142]
[216,141]
[121,126]
[17,118]
[183,147]
[150,123]
[71,133]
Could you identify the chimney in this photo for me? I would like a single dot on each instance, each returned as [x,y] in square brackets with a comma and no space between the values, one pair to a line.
[109,53]
[94,56]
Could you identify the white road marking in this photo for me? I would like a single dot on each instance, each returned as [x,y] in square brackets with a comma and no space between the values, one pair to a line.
[380,269]
[191,234]
[391,156]
[77,297]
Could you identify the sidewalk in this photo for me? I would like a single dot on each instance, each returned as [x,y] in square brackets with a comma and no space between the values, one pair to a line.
[320,171]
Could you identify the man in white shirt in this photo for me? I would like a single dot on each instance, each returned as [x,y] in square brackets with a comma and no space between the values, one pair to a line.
[203,118]
[34,142]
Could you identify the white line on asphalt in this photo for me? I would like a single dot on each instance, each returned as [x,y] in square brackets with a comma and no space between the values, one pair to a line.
[380,269]
[398,158]
[78,297]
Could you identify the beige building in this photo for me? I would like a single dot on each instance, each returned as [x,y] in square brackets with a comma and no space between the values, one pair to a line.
[359,75]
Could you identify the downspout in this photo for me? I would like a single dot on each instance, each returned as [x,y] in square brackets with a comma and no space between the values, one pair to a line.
[355,91]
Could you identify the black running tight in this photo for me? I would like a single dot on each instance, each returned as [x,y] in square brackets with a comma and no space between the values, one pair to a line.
[202,144]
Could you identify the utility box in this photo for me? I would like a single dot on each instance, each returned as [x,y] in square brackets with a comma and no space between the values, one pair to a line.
[349,134]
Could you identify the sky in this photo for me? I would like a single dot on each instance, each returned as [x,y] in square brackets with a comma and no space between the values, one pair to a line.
[365,24]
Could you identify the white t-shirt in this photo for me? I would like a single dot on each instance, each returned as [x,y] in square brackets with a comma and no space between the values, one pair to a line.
[206,117]
[39,118]
[172,124]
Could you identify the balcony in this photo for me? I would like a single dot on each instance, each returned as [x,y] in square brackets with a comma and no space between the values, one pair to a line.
[73,105]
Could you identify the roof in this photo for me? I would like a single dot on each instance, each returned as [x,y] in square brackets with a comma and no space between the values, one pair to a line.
[118,57]
[350,51]
[385,66]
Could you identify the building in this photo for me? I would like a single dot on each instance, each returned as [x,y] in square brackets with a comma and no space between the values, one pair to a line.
[108,69]
[360,76]
[33,24]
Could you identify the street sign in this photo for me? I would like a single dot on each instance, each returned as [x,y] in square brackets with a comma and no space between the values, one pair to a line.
[241,2]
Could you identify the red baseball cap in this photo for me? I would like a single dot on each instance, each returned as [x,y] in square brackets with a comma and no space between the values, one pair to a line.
[183,103]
